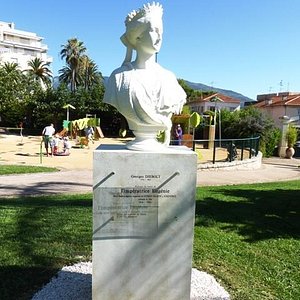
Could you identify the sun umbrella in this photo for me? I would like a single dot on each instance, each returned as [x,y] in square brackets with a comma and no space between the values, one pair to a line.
[67,106]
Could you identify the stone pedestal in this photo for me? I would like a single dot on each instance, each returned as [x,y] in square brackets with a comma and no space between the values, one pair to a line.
[283,143]
[143,223]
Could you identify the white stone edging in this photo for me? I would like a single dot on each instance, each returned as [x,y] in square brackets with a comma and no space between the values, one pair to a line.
[246,164]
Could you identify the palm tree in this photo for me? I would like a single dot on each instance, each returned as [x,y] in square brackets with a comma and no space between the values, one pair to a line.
[72,52]
[89,72]
[12,71]
[66,75]
[10,67]
[39,71]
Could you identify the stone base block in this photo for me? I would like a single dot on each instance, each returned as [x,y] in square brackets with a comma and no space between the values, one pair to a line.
[143,221]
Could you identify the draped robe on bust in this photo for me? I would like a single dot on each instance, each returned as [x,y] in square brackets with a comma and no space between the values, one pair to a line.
[145,97]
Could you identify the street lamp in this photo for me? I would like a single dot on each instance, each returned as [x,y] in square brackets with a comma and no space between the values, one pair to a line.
[217,99]
[220,144]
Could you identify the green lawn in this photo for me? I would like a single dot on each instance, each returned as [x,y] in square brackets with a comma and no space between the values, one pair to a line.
[38,236]
[17,169]
[247,236]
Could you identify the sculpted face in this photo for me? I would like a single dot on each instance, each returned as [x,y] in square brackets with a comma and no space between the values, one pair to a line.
[150,40]
[144,32]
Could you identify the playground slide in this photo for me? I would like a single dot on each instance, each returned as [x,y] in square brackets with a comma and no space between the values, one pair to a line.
[62,132]
[99,132]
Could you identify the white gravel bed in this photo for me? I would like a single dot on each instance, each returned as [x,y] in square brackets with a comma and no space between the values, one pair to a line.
[75,282]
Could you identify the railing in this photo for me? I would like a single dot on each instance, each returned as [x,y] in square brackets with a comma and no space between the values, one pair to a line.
[12,130]
[223,150]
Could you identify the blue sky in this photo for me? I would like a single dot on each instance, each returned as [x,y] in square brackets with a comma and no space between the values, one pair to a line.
[249,46]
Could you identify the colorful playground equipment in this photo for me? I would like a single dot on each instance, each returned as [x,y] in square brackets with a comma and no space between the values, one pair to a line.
[75,129]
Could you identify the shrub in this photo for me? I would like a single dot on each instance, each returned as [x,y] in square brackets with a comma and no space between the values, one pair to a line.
[291,136]
[250,122]
[269,142]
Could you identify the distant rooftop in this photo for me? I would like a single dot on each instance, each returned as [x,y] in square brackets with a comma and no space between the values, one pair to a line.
[9,27]
[278,99]
[217,97]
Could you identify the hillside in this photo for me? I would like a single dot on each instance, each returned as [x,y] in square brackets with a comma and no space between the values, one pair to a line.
[203,87]
[197,86]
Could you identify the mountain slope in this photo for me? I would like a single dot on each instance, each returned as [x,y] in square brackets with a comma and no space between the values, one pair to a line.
[203,87]
[200,87]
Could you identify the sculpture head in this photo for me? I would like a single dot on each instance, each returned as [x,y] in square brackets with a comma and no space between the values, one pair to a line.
[144,29]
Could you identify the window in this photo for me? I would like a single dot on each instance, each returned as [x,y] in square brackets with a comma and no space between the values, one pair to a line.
[29,52]
[19,50]
[8,37]
[24,41]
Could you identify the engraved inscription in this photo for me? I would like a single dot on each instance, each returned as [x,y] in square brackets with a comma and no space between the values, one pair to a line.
[125,212]
[131,212]
[146,176]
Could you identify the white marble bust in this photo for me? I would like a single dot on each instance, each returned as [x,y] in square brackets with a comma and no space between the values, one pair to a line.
[142,91]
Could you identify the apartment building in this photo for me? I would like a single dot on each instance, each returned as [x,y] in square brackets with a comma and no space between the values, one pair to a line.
[18,46]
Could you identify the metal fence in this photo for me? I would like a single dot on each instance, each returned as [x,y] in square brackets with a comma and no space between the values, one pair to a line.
[223,150]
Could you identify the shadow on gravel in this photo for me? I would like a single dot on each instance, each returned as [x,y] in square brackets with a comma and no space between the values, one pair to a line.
[26,280]
[68,286]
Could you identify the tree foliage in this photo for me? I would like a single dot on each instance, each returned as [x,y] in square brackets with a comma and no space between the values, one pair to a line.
[89,74]
[49,108]
[39,71]
[291,135]
[72,52]
[18,95]
[25,99]
[244,123]
[192,94]
[250,122]
[28,96]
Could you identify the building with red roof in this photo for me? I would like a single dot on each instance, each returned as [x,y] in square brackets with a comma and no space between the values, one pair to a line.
[278,105]
[214,102]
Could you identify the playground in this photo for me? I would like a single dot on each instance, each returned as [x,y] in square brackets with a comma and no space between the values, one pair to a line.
[15,149]
[19,149]
[30,150]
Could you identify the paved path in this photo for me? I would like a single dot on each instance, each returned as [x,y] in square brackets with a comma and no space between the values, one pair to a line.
[272,170]
[80,181]
[73,181]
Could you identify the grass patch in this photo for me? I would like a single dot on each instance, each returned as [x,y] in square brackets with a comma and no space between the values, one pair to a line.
[38,236]
[248,237]
[16,169]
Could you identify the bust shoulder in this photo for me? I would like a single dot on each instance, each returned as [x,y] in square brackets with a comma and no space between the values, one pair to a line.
[124,68]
